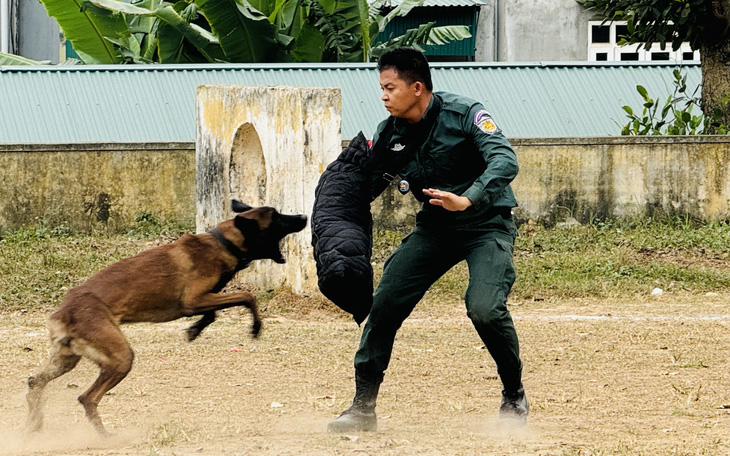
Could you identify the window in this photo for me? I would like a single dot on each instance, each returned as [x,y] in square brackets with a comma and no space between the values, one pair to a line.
[600,33]
[603,46]
[621,31]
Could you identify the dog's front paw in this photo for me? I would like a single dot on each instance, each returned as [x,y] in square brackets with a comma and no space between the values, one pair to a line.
[192,333]
[256,328]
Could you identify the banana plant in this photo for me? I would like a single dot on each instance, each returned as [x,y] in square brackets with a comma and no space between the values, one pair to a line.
[197,31]
[245,33]
[295,33]
[116,31]
[86,26]
[351,29]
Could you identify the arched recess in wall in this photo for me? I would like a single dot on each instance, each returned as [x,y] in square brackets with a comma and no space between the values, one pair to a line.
[247,171]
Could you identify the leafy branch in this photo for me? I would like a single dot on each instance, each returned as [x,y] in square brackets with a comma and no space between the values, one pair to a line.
[675,116]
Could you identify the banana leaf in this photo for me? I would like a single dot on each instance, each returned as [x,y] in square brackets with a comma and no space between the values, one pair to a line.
[172,47]
[245,34]
[12,59]
[309,45]
[363,12]
[87,27]
[447,34]
[144,28]
[424,35]
[203,40]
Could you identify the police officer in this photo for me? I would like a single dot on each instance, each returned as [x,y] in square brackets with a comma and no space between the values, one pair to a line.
[451,156]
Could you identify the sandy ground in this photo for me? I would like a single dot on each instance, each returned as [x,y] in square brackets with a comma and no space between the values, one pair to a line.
[646,376]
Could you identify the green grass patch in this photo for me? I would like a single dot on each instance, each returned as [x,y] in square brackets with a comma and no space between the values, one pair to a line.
[607,259]
[618,259]
[39,264]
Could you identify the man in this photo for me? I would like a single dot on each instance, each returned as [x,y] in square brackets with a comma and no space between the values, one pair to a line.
[449,153]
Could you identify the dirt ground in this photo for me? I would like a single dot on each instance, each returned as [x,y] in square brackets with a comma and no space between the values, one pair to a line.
[646,376]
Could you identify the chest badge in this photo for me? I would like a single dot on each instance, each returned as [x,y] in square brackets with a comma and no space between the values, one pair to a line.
[398,147]
[403,187]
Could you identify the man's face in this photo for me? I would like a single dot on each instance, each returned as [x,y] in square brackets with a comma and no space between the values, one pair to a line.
[400,98]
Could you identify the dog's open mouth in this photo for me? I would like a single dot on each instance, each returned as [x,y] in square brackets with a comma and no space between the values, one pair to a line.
[288,224]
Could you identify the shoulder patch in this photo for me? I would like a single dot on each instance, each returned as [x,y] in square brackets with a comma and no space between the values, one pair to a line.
[484,122]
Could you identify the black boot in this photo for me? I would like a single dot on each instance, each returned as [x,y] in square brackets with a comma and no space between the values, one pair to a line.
[360,416]
[515,406]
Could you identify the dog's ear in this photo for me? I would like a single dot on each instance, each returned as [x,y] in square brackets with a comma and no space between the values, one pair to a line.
[248,227]
[238,206]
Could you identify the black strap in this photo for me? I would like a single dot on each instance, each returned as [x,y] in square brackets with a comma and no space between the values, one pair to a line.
[392,161]
[243,261]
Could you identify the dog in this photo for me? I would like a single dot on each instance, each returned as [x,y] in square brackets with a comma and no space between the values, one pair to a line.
[180,279]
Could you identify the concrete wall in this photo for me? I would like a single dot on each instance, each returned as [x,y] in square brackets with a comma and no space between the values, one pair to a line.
[532,31]
[106,186]
[95,186]
[541,30]
[266,146]
[585,178]
[485,39]
[99,186]
[623,177]
[38,35]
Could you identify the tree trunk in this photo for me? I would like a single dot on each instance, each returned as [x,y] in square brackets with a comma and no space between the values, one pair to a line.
[716,80]
[715,51]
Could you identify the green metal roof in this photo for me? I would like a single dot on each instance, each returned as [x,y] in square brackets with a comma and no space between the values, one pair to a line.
[130,103]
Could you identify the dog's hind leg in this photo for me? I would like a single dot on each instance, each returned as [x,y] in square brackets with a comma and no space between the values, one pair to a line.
[196,328]
[105,345]
[62,360]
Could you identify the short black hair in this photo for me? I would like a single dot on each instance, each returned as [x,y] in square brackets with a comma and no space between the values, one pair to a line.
[410,64]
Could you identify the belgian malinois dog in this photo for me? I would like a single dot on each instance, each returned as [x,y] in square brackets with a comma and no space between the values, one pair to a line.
[180,279]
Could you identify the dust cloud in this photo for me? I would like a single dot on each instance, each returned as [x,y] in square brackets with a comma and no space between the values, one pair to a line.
[20,442]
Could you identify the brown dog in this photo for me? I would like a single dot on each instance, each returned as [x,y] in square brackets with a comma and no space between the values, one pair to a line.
[180,279]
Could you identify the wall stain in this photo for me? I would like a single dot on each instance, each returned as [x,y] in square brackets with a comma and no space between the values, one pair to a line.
[99,207]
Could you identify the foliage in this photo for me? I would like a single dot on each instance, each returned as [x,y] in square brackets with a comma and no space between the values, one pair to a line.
[80,19]
[236,31]
[675,117]
[658,21]
[705,24]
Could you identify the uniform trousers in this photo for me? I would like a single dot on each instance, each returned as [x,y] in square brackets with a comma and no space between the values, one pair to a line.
[422,258]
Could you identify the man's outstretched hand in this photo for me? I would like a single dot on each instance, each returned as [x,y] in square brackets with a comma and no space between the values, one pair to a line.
[447,200]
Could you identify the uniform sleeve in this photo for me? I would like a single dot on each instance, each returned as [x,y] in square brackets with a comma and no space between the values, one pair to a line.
[377,182]
[498,155]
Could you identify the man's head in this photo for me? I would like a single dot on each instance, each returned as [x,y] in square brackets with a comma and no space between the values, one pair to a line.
[410,64]
[405,78]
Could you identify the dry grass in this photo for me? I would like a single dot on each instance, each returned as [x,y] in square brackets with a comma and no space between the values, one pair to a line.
[605,377]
